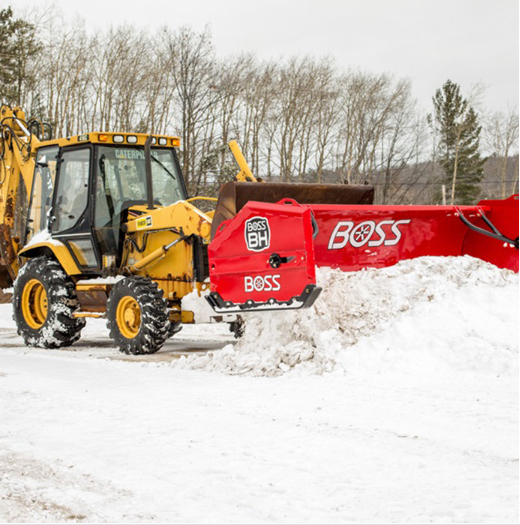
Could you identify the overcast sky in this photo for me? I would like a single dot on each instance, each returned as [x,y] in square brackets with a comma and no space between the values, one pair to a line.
[429,41]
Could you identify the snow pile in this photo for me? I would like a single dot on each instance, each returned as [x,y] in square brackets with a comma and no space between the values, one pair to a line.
[202,311]
[428,313]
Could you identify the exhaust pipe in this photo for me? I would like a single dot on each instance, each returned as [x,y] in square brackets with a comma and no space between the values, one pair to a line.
[148,170]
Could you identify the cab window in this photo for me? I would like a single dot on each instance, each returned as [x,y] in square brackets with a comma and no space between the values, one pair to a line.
[41,195]
[166,181]
[121,181]
[72,191]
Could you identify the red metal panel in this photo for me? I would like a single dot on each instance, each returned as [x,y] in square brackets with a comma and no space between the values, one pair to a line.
[239,254]
[356,237]
[504,216]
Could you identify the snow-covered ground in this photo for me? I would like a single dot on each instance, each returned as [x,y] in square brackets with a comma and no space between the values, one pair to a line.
[395,398]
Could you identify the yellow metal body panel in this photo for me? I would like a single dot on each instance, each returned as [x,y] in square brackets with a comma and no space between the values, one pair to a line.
[83,315]
[180,215]
[182,316]
[174,273]
[173,269]
[61,253]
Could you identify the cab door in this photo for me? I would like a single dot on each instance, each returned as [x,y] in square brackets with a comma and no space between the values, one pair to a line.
[71,220]
[41,193]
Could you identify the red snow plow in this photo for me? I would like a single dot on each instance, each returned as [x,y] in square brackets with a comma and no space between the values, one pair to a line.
[264,249]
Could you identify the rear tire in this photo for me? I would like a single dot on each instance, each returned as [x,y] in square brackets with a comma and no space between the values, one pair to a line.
[44,301]
[138,316]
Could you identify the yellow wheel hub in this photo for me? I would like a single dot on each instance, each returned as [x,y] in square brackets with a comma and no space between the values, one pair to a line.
[128,317]
[34,304]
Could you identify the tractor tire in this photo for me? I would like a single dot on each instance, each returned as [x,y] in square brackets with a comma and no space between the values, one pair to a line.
[44,301]
[138,316]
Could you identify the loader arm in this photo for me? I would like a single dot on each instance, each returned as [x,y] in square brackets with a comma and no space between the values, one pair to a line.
[245,174]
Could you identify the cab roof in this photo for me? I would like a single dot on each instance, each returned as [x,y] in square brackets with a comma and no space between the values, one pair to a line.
[119,139]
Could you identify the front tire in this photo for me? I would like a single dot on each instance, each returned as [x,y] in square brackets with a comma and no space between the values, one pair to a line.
[138,316]
[44,301]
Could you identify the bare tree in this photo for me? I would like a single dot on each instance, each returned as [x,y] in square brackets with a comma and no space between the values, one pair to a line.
[502,138]
[299,118]
[327,115]
[192,63]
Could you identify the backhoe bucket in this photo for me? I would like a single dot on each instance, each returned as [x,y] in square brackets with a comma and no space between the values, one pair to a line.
[234,196]
[263,259]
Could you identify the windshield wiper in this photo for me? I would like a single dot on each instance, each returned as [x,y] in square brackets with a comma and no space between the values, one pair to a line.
[164,168]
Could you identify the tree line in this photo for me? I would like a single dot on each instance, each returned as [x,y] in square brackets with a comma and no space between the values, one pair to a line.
[301,119]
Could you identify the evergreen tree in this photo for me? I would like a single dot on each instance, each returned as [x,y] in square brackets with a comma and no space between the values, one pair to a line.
[459,142]
[6,53]
[18,44]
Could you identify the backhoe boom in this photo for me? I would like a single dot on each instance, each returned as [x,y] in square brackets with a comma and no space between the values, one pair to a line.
[17,164]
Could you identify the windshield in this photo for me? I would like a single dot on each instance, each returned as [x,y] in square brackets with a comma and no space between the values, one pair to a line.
[121,181]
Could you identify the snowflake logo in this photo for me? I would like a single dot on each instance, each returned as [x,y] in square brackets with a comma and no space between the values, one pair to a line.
[258,284]
[362,233]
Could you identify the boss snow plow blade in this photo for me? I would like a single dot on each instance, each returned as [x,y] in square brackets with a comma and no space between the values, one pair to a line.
[354,237]
[264,250]
[353,234]
[263,259]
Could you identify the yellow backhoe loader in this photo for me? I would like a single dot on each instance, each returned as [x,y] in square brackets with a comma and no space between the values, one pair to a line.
[100,225]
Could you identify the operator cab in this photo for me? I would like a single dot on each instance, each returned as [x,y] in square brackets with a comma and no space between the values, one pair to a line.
[83,192]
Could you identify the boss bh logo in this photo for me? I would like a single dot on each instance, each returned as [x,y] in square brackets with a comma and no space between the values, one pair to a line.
[266,283]
[258,234]
[385,233]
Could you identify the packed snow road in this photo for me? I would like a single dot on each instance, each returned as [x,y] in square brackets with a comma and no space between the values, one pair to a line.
[415,419]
